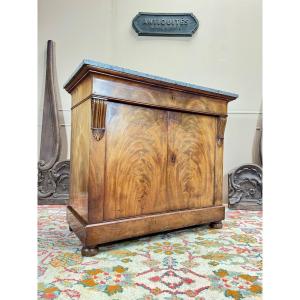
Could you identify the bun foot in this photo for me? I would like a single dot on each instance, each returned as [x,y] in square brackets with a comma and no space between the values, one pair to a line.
[89,251]
[216,225]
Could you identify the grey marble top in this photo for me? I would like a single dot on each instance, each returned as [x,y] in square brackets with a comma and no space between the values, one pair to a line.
[145,75]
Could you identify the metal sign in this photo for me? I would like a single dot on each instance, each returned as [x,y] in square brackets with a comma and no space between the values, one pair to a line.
[165,24]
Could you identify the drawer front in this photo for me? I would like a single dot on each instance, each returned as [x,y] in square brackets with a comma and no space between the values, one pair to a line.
[118,89]
[191,158]
[136,161]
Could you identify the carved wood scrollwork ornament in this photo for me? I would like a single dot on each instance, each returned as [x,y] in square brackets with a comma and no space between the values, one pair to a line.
[53,184]
[98,110]
[245,187]
[53,175]
[221,123]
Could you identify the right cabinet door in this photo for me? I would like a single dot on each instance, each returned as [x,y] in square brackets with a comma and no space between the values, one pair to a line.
[191,157]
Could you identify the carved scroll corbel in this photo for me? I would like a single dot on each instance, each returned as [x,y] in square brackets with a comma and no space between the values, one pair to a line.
[98,118]
[221,123]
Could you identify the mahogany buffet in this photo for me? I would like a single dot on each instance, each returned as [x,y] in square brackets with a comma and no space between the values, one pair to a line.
[146,154]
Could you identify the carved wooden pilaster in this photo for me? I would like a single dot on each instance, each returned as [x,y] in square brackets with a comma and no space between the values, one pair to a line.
[53,175]
[221,123]
[98,111]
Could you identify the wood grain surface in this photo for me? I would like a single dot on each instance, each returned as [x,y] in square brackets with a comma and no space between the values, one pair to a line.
[96,179]
[138,226]
[82,91]
[150,160]
[119,89]
[80,148]
[219,146]
[191,147]
[136,161]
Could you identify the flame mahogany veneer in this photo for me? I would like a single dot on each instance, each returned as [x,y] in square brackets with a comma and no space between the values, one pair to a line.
[146,154]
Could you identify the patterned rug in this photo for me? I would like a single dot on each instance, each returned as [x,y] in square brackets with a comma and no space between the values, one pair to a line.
[198,263]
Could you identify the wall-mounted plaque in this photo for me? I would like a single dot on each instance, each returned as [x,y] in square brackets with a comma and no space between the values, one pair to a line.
[165,24]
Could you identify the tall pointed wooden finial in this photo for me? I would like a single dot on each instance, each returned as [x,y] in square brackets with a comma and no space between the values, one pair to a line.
[50,143]
[53,175]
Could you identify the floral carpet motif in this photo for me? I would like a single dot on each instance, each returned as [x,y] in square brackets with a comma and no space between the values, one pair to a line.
[196,263]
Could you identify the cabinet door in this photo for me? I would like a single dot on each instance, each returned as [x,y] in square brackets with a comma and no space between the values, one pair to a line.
[136,161]
[191,155]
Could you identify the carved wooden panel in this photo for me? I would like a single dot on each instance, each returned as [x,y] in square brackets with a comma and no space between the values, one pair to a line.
[136,159]
[53,183]
[191,154]
[245,187]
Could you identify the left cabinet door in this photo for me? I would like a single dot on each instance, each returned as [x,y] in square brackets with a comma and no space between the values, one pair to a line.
[136,161]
